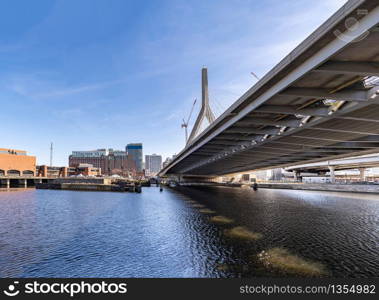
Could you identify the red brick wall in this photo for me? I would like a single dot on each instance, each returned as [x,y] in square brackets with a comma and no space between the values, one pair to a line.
[17,162]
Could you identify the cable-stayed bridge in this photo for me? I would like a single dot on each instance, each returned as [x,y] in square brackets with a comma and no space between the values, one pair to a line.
[320,102]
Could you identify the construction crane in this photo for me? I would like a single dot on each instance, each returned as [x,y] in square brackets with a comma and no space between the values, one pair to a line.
[185,124]
[51,154]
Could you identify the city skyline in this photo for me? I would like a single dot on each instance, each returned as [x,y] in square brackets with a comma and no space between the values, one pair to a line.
[85,75]
[228,140]
[133,153]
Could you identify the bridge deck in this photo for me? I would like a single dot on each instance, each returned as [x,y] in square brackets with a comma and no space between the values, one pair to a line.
[320,102]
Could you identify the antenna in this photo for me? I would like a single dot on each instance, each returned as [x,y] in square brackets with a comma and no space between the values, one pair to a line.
[51,154]
[185,124]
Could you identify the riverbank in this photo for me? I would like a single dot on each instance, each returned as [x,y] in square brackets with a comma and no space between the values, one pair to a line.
[93,184]
[95,187]
[350,188]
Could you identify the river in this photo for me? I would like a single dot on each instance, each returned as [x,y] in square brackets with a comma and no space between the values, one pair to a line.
[55,233]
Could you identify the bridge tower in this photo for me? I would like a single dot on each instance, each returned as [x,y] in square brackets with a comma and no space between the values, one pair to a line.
[205,111]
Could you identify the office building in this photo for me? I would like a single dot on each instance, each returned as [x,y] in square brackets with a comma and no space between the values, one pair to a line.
[108,160]
[96,158]
[153,164]
[134,151]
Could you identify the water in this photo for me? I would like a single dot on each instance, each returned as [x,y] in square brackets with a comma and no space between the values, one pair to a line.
[47,233]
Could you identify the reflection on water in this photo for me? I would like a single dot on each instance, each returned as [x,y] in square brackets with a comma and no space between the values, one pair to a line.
[49,233]
[241,232]
[282,260]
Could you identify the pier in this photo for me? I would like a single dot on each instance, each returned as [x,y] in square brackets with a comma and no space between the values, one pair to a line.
[92,184]
[21,181]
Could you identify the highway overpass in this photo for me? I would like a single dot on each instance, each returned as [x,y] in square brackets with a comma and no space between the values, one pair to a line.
[338,164]
[360,163]
[320,102]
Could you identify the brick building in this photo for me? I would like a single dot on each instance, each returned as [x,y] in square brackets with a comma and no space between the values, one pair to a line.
[16,163]
[55,172]
[108,160]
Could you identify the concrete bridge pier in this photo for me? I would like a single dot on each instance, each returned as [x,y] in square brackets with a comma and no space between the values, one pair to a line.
[362,174]
[332,175]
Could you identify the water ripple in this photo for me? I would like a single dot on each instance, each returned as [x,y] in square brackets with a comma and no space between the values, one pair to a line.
[45,233]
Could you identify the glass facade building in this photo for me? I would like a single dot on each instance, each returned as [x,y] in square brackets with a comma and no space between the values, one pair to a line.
[134,151]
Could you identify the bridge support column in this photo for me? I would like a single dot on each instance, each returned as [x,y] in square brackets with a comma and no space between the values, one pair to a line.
[362,175]
[332,175]
[23,183]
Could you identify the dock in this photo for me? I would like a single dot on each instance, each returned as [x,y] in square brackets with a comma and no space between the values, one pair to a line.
[88,187]
[91,184]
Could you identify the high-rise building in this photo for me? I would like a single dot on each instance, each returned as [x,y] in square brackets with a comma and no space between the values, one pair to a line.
[153,164]
[134,151]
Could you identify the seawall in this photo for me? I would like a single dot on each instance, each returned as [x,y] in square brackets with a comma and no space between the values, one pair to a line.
[352,188]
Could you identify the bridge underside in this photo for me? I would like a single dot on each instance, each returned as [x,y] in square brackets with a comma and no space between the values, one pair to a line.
[322,104]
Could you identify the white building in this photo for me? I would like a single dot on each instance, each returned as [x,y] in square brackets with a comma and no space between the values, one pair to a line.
[153,164]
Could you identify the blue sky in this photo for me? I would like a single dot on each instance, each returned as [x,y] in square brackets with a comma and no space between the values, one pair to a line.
[89,74]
